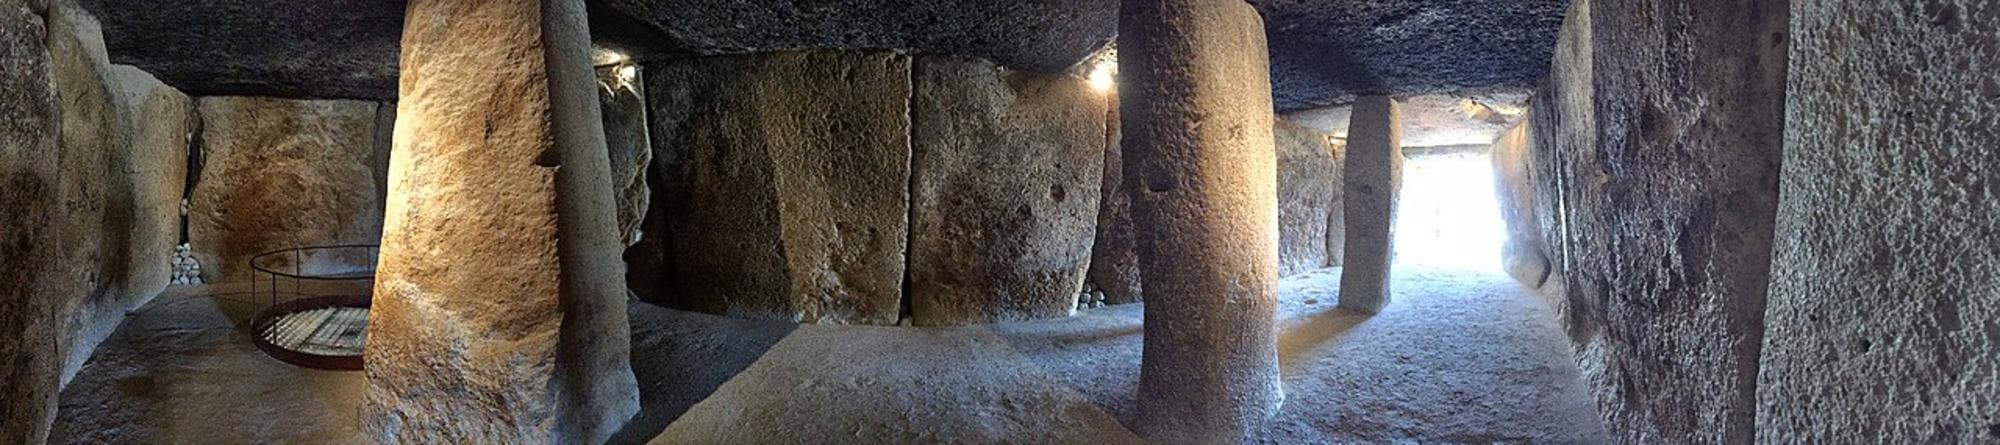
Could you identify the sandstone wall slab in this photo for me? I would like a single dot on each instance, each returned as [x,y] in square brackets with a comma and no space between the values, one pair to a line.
[1668,193]
[1114,258]
[278,174]
[1004,187]
[1884,315]
[30,205]
[783,186]
[1310,205]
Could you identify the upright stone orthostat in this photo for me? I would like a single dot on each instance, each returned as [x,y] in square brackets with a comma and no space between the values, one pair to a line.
[1373,173]
[1202,173]
[782,186]
[1309,203]
[1884,314]
[30,177]
[1004,191]
[1114,264]
[499,311]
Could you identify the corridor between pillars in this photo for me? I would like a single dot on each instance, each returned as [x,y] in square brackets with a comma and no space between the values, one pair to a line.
[1197,117]
[485,327]
[1374,176]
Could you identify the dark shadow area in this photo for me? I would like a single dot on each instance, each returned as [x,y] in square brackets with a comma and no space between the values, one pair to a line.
[681,358]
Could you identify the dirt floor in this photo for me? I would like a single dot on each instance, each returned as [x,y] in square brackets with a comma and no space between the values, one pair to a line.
[1467,357]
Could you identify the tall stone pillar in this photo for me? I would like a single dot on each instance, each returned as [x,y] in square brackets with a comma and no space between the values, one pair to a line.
[499,315]
[1373,177]
[30,233]
[1203,178]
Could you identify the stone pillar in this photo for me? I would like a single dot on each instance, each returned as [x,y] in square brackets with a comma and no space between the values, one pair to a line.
[1197,118]
[30,177]
[499,313]
[1373,175]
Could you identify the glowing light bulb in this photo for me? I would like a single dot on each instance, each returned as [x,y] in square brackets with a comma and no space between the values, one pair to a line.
[627,73]
[1101,79]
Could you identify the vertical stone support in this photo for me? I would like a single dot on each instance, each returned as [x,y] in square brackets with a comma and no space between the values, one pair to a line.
[1373,175]
[499,315]
[1197,117]
[30,147]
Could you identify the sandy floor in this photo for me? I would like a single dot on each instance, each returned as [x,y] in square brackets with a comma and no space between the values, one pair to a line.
[1459,357]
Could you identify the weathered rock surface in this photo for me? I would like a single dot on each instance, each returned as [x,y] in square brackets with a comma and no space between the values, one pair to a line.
[322,49]
[97,217]
[1040,35]
[1005,177]
[1310,221]
[1884,316]
[1323,53]
[278,174]
[1669,204]
[157,122]
[623,104]
[499,310]
[1201,163]
[1372,182]
[804,158]
[1114,257]
[1524,255]
[1330,52]
[30,205]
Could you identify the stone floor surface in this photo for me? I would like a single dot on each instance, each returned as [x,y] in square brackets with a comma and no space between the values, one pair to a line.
[1458,357]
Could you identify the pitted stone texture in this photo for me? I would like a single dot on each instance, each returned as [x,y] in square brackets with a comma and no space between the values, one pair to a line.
[1203,172]
[1114,258]
[1038,35]
[1330,52]
[1524,255]
[623,103]
[319,49]
[156,123]
[1669,209]
[499,315]
[1309,201]
[278,174]
[30,232]
[1372,176]
[782,186]
[1884,317]
[1005,181]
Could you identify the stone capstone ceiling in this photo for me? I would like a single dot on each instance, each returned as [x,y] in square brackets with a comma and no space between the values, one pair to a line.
[343,49]
[1323,52]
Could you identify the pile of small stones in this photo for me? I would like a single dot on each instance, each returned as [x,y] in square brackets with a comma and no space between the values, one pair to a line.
[186,270]
[1090,298]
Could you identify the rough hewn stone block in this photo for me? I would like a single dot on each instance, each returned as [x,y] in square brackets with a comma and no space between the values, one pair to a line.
[1004,193]
[278,174]
[1884,316]
[499,311]
[1373,180]
[1310,205]
[1668,165]
[1114,260]
[783,186]
[30,205]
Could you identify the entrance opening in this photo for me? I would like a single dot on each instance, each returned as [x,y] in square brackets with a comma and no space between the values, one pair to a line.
[1450,214]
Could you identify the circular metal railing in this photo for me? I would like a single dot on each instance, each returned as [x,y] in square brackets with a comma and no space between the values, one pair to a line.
[315,303]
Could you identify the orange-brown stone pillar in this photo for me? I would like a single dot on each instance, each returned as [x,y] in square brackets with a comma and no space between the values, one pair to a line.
[499,313]
[1202,173]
